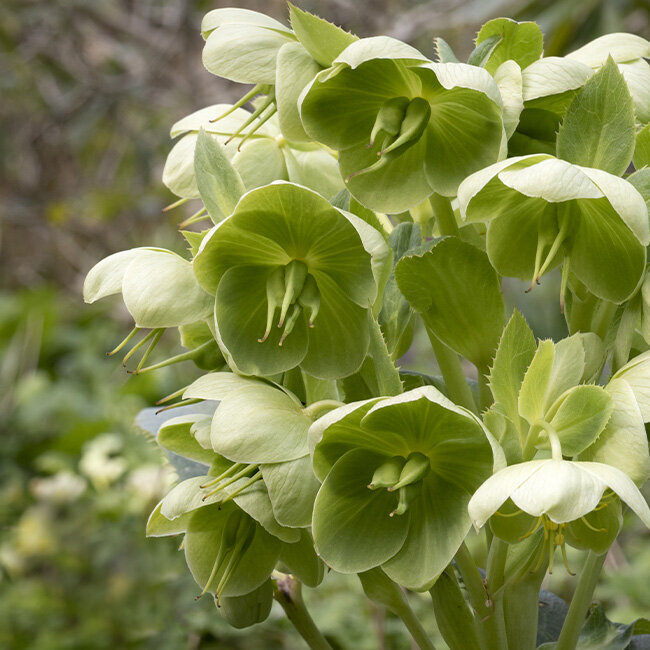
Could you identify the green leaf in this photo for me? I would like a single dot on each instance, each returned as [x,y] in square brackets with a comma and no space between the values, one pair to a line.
[519,42]
[514,354]
[352,528]
[245,53]
[598,130]
[444,53]
[323,40]
[175,435]
[458,293]
[642,148]
[640,180]
[220,186]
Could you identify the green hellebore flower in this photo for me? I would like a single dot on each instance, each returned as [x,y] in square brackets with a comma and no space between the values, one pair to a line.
[397,476]
[260,159]
[542,211]
[629,52]
[294,279]
[259,425]
[404,127]
[563,496]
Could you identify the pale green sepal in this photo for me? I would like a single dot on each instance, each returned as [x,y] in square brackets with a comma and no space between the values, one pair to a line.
[245,611]
[598,129]
[202,544]
[292,489]
[105,278]
[318,170]
[569,364]
[295,69]
[255,501]
[301,560]
[637,374]
[562,490]
[188,496]
[244,53]
[642,148]
[620,46]
[625,199]
[553,75]
[505,432]
[219,385]
[323,40]
[553,180]
[641,182]
[220,185]
[175,435]
[202,119]
[579,416]
[637,78]
[352,529]
[323,461]
[508,78]
[623,443]
[379,47]
[159,526]
[519,42]
[235,16]
[160,290]
[438,525]
[461,75]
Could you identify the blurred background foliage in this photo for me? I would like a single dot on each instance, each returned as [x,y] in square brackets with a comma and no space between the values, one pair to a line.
[88,91]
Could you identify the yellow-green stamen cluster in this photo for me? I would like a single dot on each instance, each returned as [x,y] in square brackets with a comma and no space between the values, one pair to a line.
[290,289]
[403,475]
[401,122]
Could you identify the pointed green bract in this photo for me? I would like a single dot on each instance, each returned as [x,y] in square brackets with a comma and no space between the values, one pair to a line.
[642,148]
[519,42]
[219,185]
[323,40]
[598,130]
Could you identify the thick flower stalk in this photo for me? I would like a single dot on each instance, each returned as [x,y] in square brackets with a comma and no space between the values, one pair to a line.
[294,282]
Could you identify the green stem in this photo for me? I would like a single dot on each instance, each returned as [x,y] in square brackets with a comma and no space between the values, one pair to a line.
[288,592]
[478,597]
[414,627]
[452,372]
[447,224]
[495,579]
[580,602]
[387,375]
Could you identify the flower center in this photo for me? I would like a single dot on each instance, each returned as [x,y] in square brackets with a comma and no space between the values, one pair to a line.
[400,123]
[290,289]
[404,475]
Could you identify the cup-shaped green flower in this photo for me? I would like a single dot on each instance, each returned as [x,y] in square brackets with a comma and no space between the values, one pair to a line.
[294,279]
[397,476]
[404,127]
[259,159]
[542,211]
[562,497]
[258,425]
